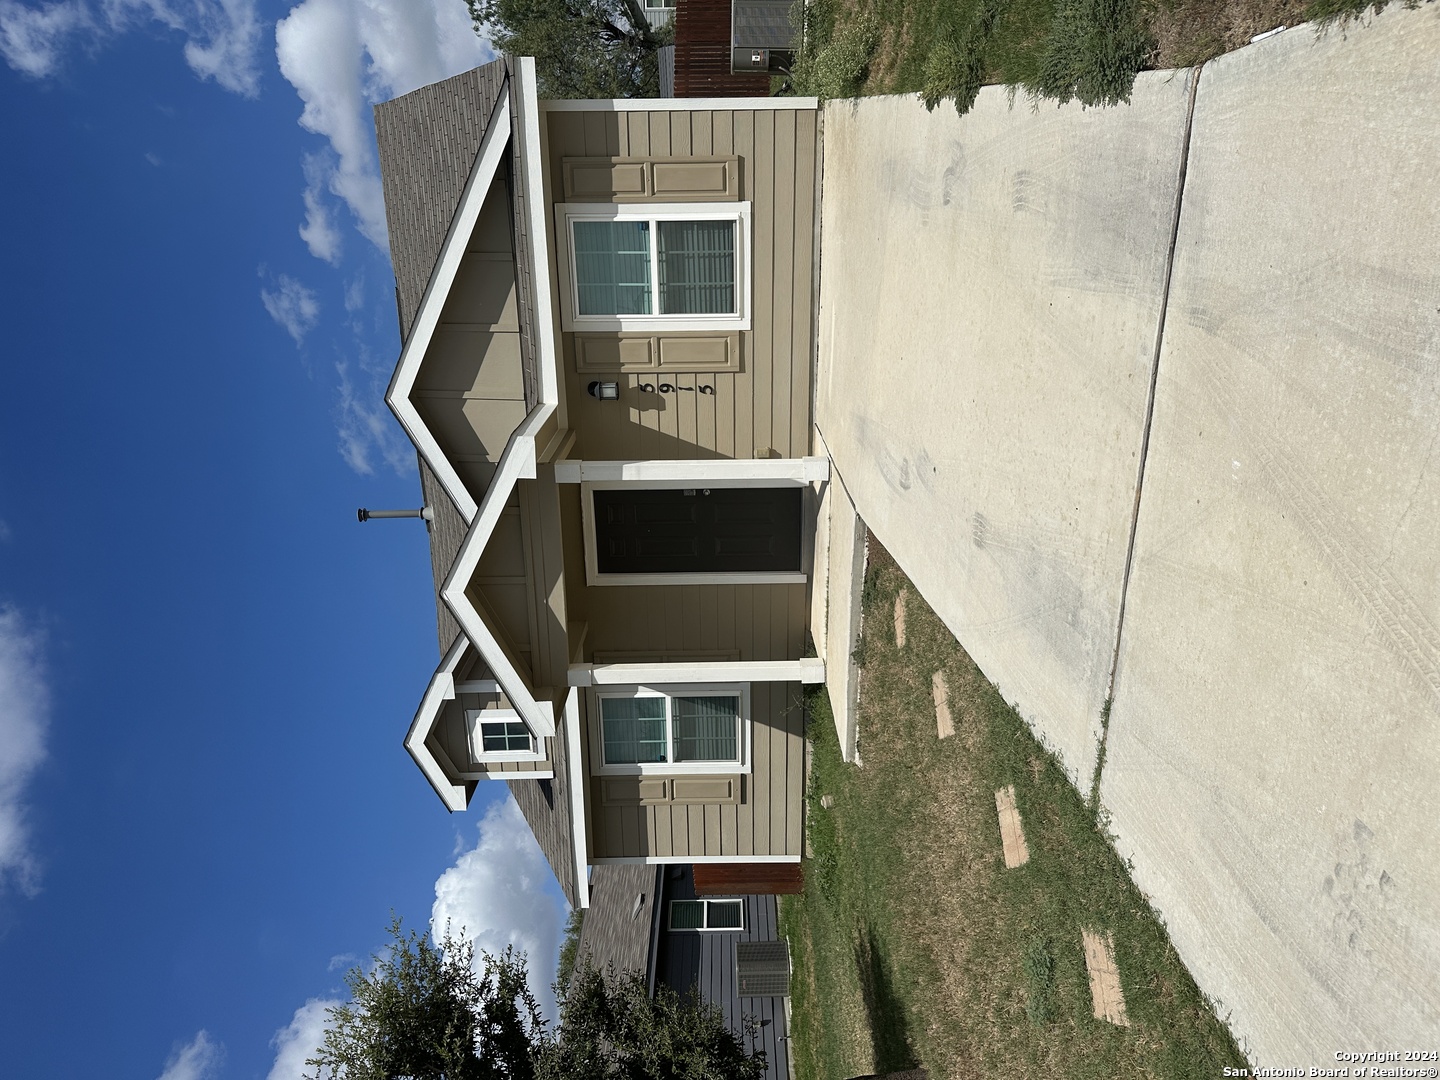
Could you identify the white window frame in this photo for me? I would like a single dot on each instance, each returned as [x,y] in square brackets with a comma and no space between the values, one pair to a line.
[670,767]
[474,718]
[706,928]
[566,214]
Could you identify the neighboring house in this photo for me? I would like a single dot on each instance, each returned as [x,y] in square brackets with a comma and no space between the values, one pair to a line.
[606,310]
[725,948]
[704,53]
[659,13]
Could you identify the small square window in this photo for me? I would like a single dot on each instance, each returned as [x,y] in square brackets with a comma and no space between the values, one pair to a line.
[500,736]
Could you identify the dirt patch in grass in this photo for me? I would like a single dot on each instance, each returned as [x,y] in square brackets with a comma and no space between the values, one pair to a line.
[1189,32]
[915,946]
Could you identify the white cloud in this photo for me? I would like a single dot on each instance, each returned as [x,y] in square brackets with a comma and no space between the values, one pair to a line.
[222,37]
[499,893]
[355,295]
[24,717]
[293,306]
[300,1039]
[319,232]
[368,431]
[342,56]
[32,39]
[199,1059]
[345,960]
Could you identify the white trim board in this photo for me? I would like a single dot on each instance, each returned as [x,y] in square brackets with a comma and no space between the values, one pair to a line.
[809,670]
[517,461]
[685,860]
[440,690]
[577,778]
[737,104]
[711,472]
[452,252]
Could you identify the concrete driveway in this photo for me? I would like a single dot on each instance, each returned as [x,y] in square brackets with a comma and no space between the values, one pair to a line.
[991,320]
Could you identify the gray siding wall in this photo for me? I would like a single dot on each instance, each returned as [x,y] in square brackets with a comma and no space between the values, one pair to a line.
[706,960]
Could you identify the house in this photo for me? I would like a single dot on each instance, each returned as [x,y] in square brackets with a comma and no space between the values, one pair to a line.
[607,318]
[725,949]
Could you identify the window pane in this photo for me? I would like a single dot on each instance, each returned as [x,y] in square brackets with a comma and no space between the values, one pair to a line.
[725,915]
[633,730]
[612,267]
[687,914]
[707,728]
[498,735]
[697,267]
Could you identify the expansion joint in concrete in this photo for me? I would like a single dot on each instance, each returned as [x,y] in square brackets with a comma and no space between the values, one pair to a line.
[1145,431]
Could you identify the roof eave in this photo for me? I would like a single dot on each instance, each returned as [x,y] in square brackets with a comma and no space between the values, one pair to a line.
[440,690]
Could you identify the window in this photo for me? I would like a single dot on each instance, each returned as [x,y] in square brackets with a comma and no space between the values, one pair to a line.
[657,265]
[707,915]
[500,735]
[688,729]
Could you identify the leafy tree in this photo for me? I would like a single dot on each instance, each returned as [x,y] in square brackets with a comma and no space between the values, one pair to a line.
[569,949]
[422,1013]
[582,48]
[610,1027]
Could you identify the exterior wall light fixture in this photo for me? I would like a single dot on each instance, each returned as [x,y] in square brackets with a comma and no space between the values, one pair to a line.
[604,391]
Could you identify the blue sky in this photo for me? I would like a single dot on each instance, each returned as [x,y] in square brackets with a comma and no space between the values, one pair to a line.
[206,664]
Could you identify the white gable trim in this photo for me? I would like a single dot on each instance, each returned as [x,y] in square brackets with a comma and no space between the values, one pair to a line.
[736,104]
[440,690]
[577,797]
[517,461]
[519,457]
[487,163]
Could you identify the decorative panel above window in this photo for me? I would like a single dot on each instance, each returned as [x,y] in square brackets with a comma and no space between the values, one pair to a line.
[655,267]
[639,353]
[628,179]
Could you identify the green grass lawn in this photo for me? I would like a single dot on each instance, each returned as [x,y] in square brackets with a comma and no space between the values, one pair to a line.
[1090,50]
[912,943]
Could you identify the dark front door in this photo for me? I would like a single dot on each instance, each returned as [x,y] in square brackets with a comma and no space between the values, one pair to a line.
[697,530]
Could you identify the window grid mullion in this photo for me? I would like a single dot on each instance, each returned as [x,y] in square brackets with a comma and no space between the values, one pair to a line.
[670,729]
[654,266]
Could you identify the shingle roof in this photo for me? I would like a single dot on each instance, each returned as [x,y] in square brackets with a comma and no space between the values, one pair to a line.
[428,141]
[447,532]
[614,931]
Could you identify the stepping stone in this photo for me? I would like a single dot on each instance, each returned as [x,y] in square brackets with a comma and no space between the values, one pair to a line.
[900,620]
[827,801]
[1105,992]
[1012,835]
[943,724]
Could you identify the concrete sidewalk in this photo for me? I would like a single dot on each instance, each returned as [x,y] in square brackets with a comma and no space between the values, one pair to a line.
[990,294]
[991,298]
[1273,765]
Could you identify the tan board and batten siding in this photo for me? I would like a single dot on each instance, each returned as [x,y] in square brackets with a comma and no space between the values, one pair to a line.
[760,407]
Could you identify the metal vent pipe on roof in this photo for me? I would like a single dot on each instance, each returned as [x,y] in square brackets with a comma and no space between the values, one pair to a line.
[424,512]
